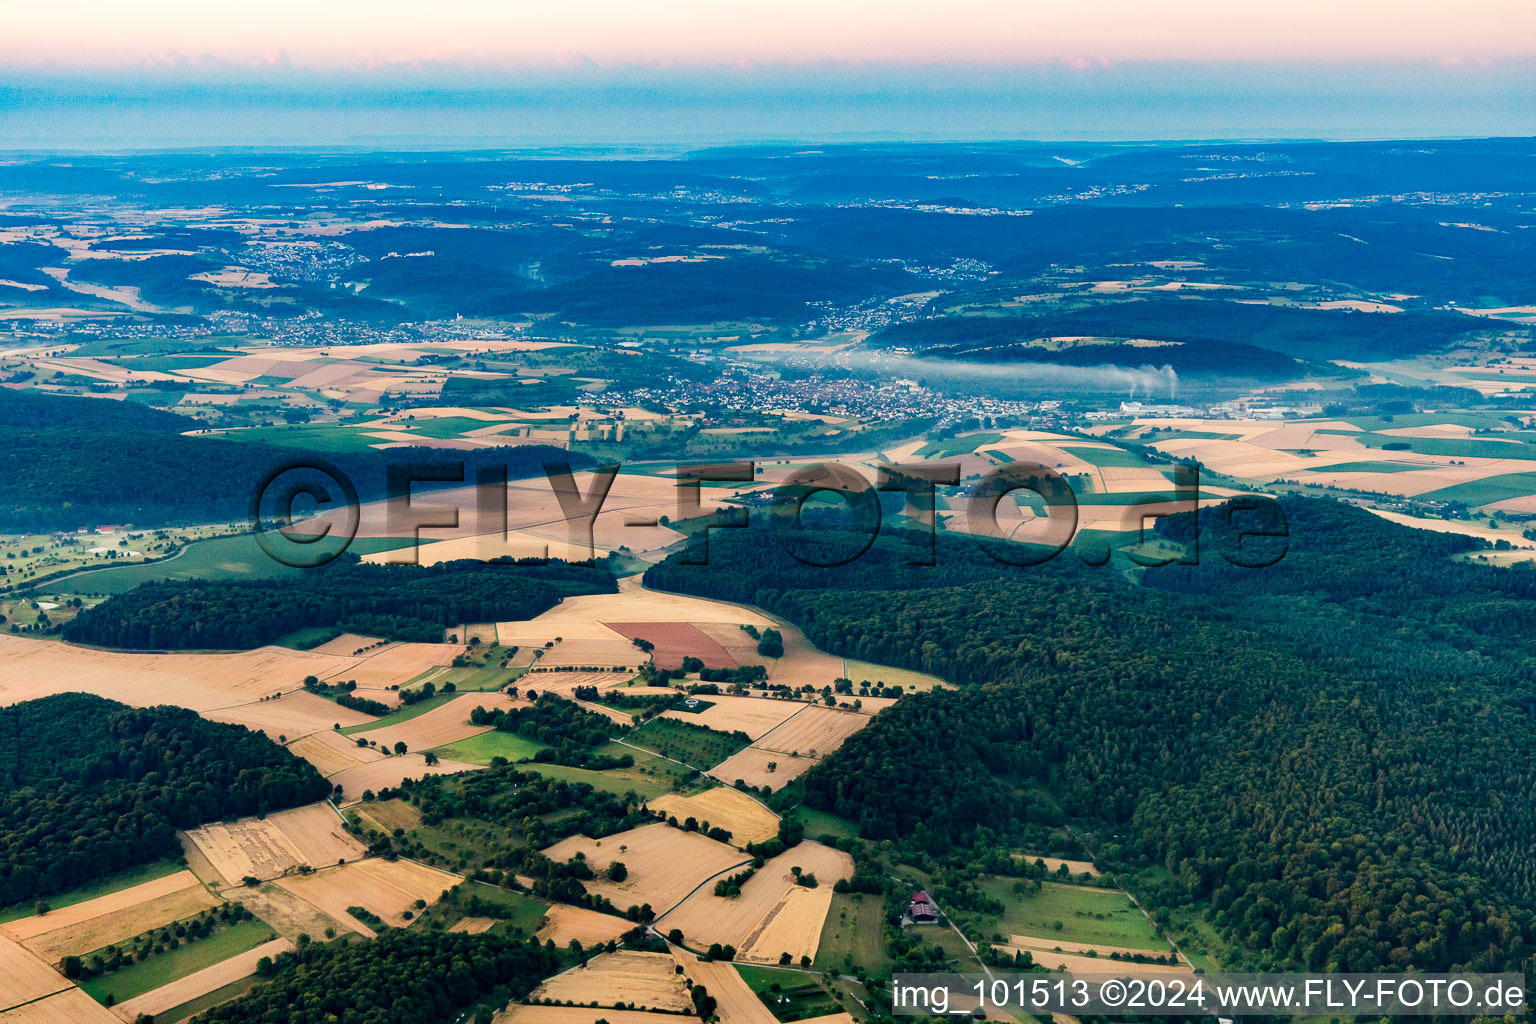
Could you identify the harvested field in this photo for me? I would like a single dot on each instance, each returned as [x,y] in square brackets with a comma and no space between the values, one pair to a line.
[565,683]
[38,668]
[71,1006]
[752,715]
[794,927]
[584,617]
[266,848]
[387,888]
[125,899]
[737,642]
[665,864]
[107,929]
[520,1014]
[738,1003]
[331,752]
[803,663]
[1099,965]
[773,914]
[200,983]
[24,977]
[447,723]
[389,773]
[485,632]
[1051,944]
[815,732]
[284,912]
[348,644]
[1054,864]
[395,665]
[646,980]
[674,641]
[388,815]
[751,766]
[588,654]
[473,925]
[563,923]
[723,807]
[292,715]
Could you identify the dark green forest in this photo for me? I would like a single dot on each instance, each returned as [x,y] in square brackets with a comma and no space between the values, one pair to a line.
[71,462]
[396,602]
[402,977]
[1334,754]
[89,787]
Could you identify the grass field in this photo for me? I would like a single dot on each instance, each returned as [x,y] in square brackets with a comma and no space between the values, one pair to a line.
[1072,914]
[682,741]
[950,447]
[853,935]
[1371,467]
[221,558]
[481,749]
[1483,492]
[602,781]
[1106,457]
[789,995]
[308,637]
[136,979]
[907,679]
[117,883]
[821,823]
[405,714]
[522,912]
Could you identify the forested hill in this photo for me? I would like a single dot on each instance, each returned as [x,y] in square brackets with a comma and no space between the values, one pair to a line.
[89,787]
[58,478]
[30,410]
[1337,752]
[396,602]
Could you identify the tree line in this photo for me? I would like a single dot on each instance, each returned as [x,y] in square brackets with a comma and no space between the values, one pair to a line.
[397,602]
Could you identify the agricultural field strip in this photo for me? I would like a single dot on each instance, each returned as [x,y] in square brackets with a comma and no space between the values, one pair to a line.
[100,932]
[71,1006]
[742,921]
[647,980]
[662,862]
[124,899]
[562,923]
[266,848]
[25,978]
[200,983]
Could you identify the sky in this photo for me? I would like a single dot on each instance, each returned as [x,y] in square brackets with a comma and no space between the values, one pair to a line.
[109,74]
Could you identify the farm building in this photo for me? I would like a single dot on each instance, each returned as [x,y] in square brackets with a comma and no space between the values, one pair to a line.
[920,909]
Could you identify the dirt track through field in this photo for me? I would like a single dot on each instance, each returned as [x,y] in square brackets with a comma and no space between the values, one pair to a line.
[664,863]
[773,914]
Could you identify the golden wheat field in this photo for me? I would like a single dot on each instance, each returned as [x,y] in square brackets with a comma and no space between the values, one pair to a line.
[645,981]
[664,863]
[563,923]
[771,910]
[723,807]
[386,888]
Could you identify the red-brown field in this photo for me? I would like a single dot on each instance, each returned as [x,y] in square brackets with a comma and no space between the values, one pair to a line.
[674,641]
